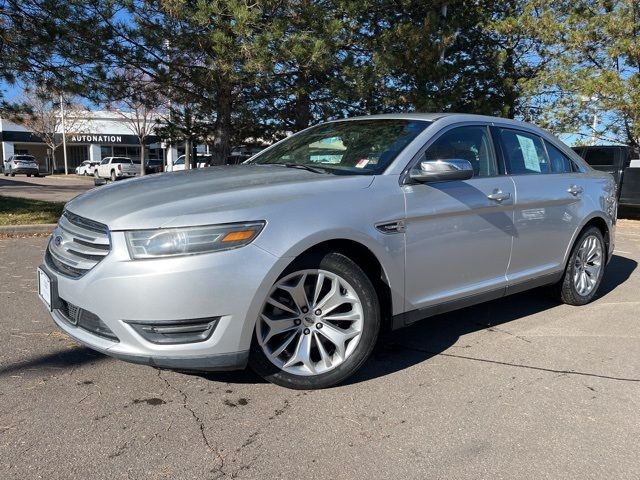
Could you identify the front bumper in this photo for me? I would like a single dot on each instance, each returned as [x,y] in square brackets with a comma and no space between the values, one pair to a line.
[230,286]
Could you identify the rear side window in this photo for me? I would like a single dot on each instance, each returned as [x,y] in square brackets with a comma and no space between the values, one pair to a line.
[560,163]
[524,152]
[471,143]
[601,157]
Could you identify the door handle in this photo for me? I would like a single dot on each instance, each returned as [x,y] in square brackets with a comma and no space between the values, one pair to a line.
[499,196]
[575,190]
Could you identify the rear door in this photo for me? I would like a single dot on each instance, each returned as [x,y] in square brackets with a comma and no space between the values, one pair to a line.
[547,207]
[458,233]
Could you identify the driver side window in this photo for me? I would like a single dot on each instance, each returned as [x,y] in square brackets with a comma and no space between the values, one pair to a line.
[472,143]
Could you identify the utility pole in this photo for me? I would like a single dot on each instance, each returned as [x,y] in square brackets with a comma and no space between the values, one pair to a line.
[64,137]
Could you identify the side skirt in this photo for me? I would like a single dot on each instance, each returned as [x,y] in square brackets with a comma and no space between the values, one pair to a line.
[407,318]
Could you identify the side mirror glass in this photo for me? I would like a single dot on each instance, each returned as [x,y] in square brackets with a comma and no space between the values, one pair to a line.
[441,170]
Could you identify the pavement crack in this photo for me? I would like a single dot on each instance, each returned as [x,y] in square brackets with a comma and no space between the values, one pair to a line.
[201,426]
[530,367]
[492,328]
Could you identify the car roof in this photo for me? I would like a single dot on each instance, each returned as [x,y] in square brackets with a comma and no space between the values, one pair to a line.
[450,116]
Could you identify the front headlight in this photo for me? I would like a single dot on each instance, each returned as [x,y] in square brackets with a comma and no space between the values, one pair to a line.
[171,242]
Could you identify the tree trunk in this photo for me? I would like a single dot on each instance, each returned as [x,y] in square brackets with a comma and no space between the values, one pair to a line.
[142,157]
[222,128]
[303,103]
[53,160]
[509,84]
[187,154]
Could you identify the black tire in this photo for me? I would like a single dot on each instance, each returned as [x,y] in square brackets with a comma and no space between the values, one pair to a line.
[28,174]
[343,266]
[565,290]
[113,175]
[12,174]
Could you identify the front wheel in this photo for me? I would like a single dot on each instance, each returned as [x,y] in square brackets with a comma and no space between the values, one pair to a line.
[584,270]
[318,324]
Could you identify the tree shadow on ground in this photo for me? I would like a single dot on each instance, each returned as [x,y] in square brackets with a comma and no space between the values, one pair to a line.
[66,359]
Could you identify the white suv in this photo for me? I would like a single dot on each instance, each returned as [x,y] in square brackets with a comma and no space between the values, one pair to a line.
[88,167]
[21,164]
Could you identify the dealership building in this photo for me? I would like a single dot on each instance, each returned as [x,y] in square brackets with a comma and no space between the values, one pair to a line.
[95,135]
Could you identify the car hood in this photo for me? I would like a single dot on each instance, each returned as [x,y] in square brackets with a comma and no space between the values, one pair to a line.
[206,196]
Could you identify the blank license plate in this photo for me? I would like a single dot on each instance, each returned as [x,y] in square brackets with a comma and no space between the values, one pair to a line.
[44,288]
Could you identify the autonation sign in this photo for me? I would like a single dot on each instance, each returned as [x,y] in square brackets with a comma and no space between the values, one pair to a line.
[96,138]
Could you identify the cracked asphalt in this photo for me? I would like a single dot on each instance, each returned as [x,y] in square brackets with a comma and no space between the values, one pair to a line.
[516,388]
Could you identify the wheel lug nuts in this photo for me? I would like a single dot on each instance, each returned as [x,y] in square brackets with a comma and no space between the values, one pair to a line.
[297,321]
[305,309]
[318,312]
[307,331]
[318,325]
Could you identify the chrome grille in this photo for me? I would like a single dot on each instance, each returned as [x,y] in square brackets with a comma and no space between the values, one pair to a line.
[77,245]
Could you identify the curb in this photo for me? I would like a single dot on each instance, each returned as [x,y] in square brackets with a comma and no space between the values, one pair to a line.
[27,229]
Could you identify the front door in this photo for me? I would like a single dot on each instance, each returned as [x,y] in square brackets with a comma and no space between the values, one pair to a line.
[459,233]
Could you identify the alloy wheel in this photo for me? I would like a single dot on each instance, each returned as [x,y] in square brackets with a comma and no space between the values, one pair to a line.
[311,322]
[587,266]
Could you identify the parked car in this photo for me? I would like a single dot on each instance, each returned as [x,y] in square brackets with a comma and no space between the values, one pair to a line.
[203,160]
[20,164]
[88,167]
[115,168]
[623,163]
[150,166]
[295,261]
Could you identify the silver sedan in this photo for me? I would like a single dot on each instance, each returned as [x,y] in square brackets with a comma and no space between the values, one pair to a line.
[296,260]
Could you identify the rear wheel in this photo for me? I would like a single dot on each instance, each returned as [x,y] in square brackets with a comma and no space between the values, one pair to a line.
[113,175]
[28,174]
[318,325]
[584,270]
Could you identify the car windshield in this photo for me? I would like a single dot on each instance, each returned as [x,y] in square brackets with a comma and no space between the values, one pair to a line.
[24,158]
[345,147]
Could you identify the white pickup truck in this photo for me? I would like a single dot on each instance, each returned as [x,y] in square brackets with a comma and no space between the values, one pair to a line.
[114,168]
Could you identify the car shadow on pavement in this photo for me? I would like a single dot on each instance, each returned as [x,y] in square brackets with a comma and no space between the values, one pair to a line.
[71,358]
[433,336]
[396,350]
[423,340]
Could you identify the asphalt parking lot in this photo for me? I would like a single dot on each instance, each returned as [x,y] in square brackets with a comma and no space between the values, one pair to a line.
[516,388]
[56,188]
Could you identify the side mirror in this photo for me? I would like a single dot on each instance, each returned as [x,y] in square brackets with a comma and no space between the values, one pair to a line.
[441,170]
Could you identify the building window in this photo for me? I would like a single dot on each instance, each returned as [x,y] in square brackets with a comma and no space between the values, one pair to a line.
[76,154]
[106,151]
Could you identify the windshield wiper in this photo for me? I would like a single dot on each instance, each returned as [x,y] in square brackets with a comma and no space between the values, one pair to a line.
[305,167]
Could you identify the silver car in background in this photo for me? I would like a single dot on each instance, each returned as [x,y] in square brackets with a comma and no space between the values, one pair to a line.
[295,261]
